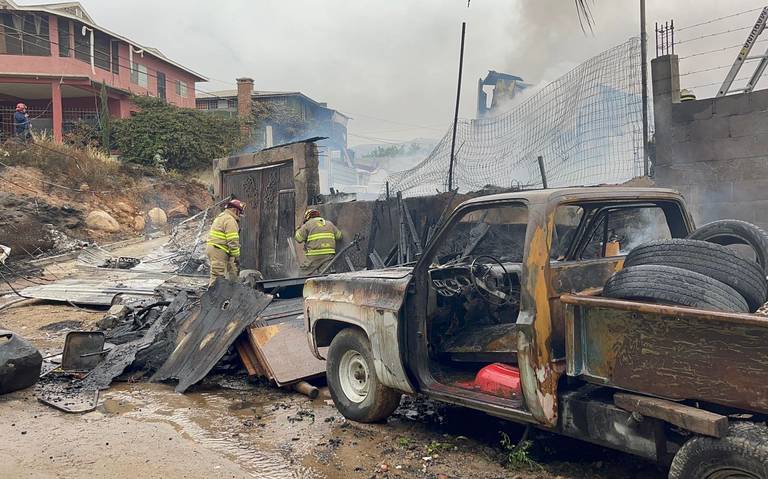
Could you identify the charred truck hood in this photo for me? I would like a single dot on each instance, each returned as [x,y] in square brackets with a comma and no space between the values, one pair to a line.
[382,289]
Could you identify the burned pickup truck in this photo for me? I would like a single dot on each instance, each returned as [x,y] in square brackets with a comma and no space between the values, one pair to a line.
[508,311]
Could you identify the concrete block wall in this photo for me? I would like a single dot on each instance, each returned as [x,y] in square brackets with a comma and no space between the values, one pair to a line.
[714,151]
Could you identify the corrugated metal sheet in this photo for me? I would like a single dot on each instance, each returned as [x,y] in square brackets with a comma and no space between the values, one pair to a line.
[95,292]
[225,310]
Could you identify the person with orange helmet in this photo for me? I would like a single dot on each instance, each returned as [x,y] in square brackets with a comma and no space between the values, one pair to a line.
[319,237]
[21,121]
[224,242]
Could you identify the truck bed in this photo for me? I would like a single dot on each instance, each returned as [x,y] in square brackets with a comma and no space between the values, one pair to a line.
[672,352]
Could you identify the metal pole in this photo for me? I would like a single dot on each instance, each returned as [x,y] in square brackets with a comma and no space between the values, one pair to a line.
[456,113]
[543,173]
[644,77]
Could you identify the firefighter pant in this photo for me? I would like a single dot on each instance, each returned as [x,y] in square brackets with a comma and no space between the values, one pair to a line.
[222,265]
[314,264]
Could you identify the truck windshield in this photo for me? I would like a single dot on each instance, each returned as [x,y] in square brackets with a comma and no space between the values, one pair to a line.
[497,231]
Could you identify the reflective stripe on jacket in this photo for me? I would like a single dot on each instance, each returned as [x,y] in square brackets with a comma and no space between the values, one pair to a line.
[224,233]
[319,237]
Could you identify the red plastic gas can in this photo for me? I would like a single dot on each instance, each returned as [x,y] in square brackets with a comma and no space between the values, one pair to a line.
[500,380]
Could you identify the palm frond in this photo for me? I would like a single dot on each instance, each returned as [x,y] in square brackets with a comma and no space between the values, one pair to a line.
[585,14]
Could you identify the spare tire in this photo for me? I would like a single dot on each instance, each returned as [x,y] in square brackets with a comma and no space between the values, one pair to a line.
[709,259]
[728,232]
[670,285]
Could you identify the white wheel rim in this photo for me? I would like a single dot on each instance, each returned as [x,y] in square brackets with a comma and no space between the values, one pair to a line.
[353,376]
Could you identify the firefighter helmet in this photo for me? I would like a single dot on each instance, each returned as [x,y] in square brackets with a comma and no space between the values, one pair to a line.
[236,204]
[311,213]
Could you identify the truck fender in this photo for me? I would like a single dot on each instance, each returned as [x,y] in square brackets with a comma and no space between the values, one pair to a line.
[381,328]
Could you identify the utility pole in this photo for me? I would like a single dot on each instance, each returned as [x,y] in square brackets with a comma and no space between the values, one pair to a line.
[456,113]
[644,66]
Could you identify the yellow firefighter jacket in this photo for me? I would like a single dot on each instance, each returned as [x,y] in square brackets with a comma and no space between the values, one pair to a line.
[224,233]
[319,236]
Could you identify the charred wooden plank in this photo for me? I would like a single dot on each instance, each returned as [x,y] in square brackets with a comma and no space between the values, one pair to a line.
[248,357]
[686,417]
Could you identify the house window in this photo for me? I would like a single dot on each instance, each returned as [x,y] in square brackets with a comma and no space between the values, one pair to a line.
[161,85]
[232,103]
[115,57]
[139,75]
[82,43]
[25,34]
[102,51]
[65,45]
[181,88]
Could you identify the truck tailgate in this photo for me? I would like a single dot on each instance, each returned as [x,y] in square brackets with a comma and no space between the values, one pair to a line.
[669,351]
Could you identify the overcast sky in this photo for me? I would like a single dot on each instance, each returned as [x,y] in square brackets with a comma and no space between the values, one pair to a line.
[392,64]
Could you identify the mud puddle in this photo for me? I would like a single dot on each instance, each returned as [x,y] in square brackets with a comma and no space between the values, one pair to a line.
[254,428]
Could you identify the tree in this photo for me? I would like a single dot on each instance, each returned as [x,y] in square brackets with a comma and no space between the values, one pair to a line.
[176,138]
[104,120]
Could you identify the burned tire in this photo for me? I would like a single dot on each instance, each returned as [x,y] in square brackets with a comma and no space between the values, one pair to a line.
[729,232]
[709,259]
[742,454]
[669,285]
[352,381]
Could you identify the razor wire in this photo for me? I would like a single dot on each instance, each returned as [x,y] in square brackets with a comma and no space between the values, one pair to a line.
[587,125]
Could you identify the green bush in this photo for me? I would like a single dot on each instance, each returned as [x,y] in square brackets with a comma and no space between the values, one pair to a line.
[174,138]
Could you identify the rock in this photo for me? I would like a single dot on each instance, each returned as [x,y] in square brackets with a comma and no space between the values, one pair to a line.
[178,211]
[139,223]
[124,207]
[157,217]
[84,187]
[114,316]
[102,221]
[383,468]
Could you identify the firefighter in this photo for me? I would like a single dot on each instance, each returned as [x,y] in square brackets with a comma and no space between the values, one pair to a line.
[224,242]
[319,237]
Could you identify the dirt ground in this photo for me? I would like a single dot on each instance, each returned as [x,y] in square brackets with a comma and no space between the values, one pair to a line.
[232,427]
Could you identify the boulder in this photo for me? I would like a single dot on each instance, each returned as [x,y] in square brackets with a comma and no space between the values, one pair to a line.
[124,207]
[139,224]
[157,217]
[102,221]
[180,210]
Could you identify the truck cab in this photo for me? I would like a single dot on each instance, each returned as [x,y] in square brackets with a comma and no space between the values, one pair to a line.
[487,319]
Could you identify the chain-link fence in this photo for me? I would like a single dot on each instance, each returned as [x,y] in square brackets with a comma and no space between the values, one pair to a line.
[587,126]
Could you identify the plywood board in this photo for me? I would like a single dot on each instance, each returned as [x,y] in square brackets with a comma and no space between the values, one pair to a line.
[283,350]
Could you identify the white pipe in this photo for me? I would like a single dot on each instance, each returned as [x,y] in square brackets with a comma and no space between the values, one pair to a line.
[93,61]
[131,50]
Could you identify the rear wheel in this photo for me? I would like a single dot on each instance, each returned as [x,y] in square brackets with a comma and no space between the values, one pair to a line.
[352,381]
[742,454]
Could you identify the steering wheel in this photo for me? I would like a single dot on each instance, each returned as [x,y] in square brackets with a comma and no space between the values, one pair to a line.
[479,273]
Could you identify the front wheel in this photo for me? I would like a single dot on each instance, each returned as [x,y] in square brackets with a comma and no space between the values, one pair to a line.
[742,454]
[352,381]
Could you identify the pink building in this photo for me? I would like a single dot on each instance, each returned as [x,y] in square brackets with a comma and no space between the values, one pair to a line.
[54,58]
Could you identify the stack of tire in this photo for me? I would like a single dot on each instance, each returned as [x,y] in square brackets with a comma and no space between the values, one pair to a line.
[699,271]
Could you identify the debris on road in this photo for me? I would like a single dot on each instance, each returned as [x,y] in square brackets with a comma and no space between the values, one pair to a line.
[224,311]
[20,362]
